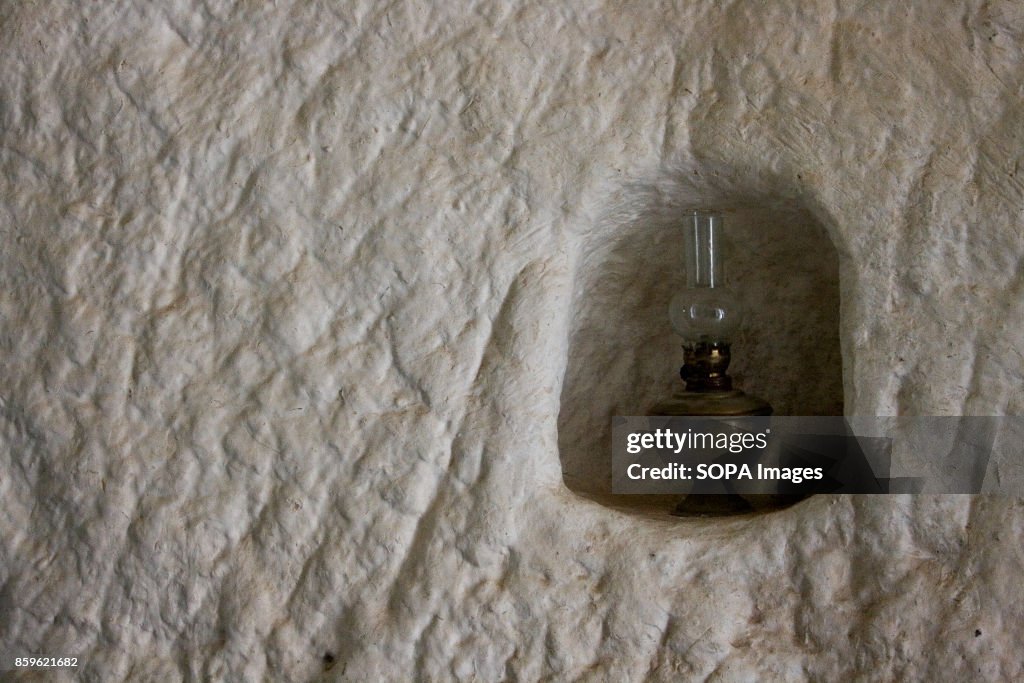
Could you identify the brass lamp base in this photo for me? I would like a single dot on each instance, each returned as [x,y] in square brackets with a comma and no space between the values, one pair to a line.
[731,403]
[709,393]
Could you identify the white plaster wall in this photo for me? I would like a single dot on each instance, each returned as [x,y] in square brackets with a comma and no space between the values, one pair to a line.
[287,298]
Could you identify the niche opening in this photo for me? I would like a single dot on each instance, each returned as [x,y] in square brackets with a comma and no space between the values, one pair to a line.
[623,354]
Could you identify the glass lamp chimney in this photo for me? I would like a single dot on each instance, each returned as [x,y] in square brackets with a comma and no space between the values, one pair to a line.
[706,311]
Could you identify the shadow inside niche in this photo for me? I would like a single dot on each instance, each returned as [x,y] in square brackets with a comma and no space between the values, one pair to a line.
[624,356]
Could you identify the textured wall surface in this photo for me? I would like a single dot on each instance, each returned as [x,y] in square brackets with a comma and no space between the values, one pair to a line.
[294,303]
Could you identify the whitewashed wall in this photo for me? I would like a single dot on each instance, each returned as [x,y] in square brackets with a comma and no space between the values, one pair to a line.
[294,301]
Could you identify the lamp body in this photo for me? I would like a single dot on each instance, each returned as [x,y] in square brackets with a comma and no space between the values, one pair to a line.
[707,314]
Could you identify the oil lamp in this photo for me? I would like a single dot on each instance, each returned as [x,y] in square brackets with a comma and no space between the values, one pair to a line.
[707,314]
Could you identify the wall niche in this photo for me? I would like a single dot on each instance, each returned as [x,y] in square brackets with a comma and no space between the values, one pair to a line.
[624,356]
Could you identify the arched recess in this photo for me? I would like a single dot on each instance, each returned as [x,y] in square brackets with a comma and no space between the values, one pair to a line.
[623,355]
